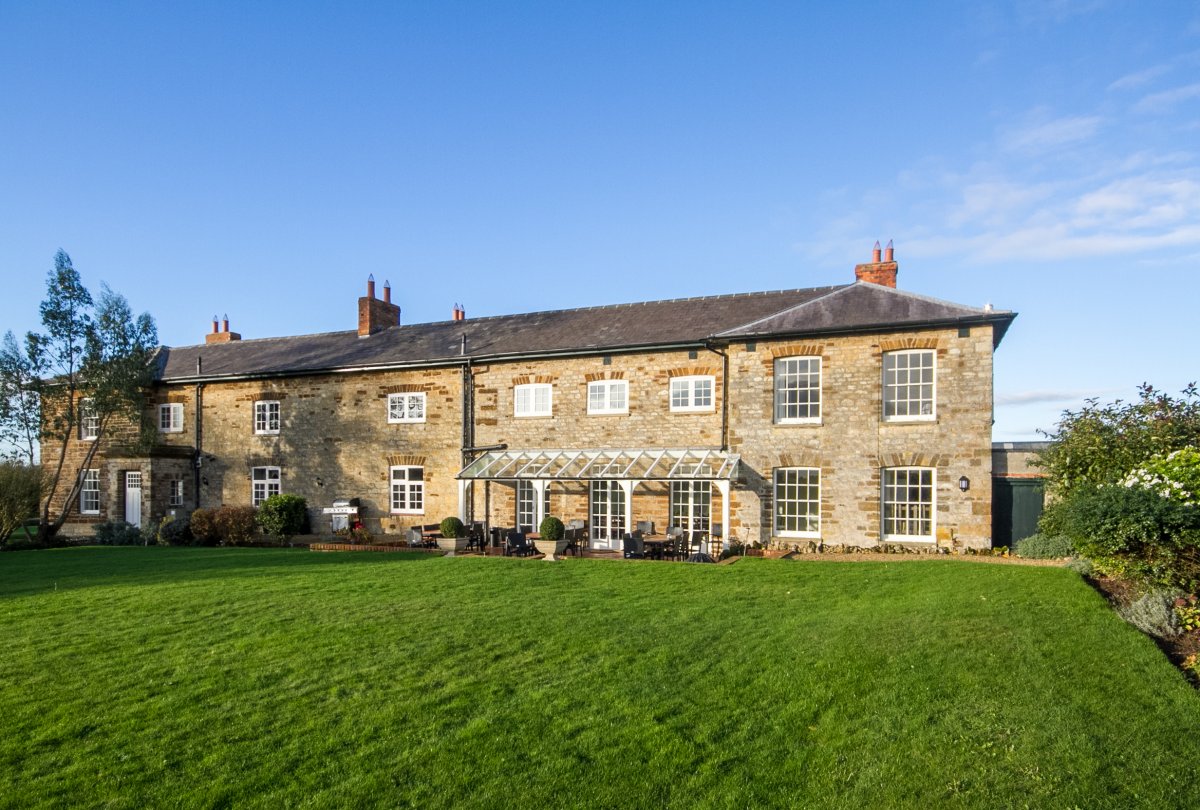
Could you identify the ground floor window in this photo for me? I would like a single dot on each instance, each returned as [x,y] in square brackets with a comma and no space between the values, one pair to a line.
[175,492]
[691,505]
[264,482]
[908,503]
[408,490]
[798,502]
[89,493]
[526,500]
[607,512]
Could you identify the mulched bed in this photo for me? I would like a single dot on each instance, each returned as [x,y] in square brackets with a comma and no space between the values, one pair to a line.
[1121,593]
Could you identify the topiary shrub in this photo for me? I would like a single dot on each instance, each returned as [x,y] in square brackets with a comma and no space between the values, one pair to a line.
[203,526]
[175,531]
[235,524]
[118,533]
[282,516]
[1044,547]
[452,527]
[551,529]
[1154,614]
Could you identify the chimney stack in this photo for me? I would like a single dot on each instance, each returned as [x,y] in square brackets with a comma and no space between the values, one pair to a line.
[375,315]
[222,336]
[882,272]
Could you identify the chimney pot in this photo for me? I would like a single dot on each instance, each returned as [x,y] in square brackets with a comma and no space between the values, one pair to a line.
[875,253]
[225,324]
[889,254]
[387,291]
[216,328]
[371,286]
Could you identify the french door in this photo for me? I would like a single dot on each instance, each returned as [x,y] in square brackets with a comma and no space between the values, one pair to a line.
[526,505]
[133,499]
[608,514]
[691,505]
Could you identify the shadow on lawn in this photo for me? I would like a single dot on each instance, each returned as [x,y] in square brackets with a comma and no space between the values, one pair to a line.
[27,572]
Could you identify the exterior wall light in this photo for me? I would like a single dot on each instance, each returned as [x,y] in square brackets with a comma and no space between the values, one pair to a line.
[964,483]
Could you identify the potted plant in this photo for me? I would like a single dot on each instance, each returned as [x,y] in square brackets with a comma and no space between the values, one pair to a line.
[553,541]
[454,536]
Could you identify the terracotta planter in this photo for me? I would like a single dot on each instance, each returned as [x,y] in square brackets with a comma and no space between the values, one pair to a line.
[776,553]
[452,545]
[553,549]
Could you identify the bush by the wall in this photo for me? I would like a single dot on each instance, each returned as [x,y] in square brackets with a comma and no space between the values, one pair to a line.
[203,526]
[1044,547]
[452,527]
[176,531]
[282,516]
[1082,566]
[117,533]
[235,525]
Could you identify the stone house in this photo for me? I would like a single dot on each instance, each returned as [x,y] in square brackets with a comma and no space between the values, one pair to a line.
[853,414]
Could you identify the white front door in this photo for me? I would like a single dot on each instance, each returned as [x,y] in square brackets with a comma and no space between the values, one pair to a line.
[133,499]
[608,514]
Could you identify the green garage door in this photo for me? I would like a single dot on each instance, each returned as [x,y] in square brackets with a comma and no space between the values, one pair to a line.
[1016,506]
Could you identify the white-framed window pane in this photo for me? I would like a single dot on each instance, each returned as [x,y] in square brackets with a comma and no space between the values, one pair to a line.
[798,502]
[264,484]
[533,399]
[175,496]
[406,407]
[89,420]
[680,394]
[908,502]
[407,489]
[266,416]
[608,396]
[526,500]
[909,390]
[798,389]
[692,393]
[170,418]
[89,492]
[691,505]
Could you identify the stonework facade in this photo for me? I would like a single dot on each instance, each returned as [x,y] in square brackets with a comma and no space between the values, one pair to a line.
[335,434]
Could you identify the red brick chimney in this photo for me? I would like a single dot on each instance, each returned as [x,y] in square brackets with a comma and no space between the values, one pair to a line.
[375,315]
[879,271]
[222,336]
[460,314]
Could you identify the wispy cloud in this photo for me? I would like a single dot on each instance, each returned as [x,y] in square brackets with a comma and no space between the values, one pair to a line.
[1046,135]
[1167,99]
[1043,12]
[1044,397]
[1141,77]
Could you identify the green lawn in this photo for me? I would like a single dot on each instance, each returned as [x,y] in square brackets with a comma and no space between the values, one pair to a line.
[134,677]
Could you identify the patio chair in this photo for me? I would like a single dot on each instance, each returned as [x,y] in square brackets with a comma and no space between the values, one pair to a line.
[517,546]
[645,526]
[633,547]
[475,537]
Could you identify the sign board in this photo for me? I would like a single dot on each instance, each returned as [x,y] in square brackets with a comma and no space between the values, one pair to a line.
[340,510]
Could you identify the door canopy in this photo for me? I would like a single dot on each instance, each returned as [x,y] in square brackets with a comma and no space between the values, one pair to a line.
[584,465]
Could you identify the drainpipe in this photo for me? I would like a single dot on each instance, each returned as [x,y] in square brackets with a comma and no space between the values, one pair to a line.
[468,426]
[199,437]
[724,394]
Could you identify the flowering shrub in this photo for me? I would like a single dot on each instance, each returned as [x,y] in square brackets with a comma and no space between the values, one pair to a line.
[1187,608]
[1175,477]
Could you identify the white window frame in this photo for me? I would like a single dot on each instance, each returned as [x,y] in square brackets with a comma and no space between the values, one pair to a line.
[170,417]
[525,400]
[89,421]
[413,490]
[267,417]
[264,482]
[526,500]
[607,389]
[89,492]
[686,386]
[808,508]
[406,408]
[927,409]
[891,486]
[804,373]
[175,492]
[691,505]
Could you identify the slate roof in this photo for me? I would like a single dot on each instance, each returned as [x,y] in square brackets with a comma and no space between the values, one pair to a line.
[679,322]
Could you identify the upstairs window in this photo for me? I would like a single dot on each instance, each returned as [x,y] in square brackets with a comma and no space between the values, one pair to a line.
[89,421]
[533,399]
[608,396]
[264,482]
[908,385]
[170,418]
[266,416]
[89,492]
[798,390]
[692,393]
[408,490]
[406,407]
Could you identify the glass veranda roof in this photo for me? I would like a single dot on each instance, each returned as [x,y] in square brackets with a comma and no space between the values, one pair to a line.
[583,465]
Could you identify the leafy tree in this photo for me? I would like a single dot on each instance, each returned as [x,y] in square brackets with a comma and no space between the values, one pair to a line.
[94,359]
[20,495]
[20,406]
[1102,444]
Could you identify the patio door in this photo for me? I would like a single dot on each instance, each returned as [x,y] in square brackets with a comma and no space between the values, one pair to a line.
[133,499]
[526,506]
[691,505]
[608,514]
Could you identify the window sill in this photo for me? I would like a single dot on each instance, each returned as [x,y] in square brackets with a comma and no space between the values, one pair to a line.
[407,512]
[406,421]
[693,410]
[533,416]
[608,413]
[907,538]
[266,433]
[909,420]
[799,422]
[798,535]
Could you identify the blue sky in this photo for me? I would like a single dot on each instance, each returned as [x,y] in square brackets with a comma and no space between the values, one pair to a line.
[261,159]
